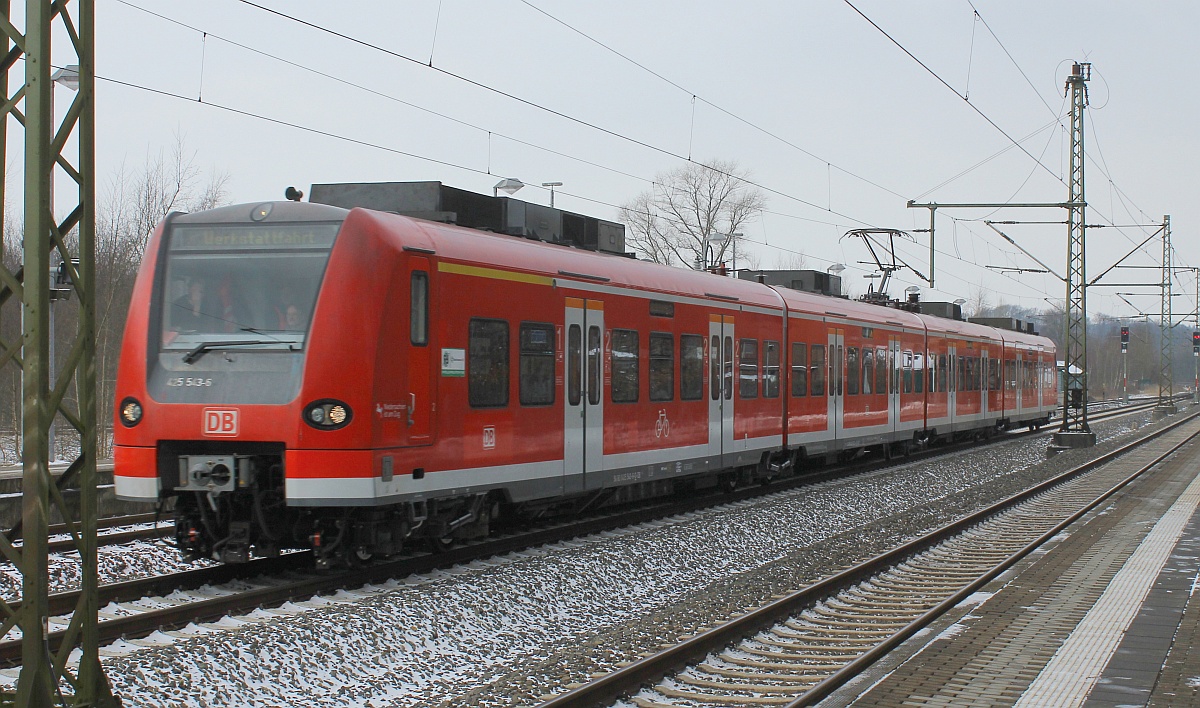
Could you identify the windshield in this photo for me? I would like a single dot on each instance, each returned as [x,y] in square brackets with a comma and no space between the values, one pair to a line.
[252,285]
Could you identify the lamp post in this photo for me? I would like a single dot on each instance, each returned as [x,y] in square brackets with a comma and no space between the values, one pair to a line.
[551,185]
[508,185]
[836,270]
[60,281]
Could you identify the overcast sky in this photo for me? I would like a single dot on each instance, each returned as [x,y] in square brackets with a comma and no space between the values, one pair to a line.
[834,120]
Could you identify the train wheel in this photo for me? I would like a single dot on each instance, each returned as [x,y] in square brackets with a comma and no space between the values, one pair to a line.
[442,544]
[361,555]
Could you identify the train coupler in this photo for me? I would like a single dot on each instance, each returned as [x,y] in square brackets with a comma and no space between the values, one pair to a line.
[236,548]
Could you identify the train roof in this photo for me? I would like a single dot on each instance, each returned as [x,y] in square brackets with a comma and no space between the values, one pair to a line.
[573,264]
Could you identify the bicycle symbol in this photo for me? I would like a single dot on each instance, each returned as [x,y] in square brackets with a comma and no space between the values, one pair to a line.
[662,428]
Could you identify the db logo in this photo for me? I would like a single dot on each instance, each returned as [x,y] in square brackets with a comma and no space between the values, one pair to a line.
[221,422]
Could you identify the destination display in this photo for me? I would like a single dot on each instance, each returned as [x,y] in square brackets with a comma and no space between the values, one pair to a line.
[252,237]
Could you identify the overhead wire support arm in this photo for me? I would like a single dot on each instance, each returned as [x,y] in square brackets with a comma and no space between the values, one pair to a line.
[1122,258]
[1035,259]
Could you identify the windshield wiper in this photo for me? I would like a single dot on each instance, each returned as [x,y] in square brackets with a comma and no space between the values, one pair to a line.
[201,349]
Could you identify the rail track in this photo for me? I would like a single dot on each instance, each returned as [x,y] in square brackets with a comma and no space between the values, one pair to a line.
[797,650]
[155,603]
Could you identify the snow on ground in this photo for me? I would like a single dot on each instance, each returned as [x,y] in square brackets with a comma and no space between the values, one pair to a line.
[517,624]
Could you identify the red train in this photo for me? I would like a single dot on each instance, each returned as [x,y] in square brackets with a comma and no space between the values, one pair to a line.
[350,380]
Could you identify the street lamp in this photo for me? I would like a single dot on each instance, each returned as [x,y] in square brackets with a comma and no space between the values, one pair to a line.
[551,185]
[508,185]
[60,281]
[836,271]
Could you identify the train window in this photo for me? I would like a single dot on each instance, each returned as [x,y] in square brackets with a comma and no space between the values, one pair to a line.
[770,362]
[537,364]
[728,370]
[943,374]
[748,369]
[817,370]
[839,374]
[993,374]
[624,366]
[962,374]
[691,367]
[487,363]
[1010,377]
[908,372]
[658,308]
[868,369]
[594,352]
[852,371]
[714,359]
[799,369]
[894,367]
[419,305]
[881,370]
[574,354]
[662,366]
[918,373]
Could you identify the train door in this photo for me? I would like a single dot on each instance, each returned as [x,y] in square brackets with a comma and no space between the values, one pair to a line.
[895,361]
[421,378]
[583,424]
[952,388]
[1020,379]
[836,356]
[720,386]
[983,383]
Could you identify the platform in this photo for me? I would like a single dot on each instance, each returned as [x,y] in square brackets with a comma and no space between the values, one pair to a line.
[1107,614]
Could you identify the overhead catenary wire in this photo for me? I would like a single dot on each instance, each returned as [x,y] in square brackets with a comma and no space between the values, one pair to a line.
[826,208]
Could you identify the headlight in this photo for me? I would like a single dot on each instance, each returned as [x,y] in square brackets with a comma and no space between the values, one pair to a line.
[131,412]
[327,414]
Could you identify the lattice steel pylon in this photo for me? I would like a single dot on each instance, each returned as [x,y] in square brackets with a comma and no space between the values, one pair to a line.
[1166,373]
[1075,431]
[47,676]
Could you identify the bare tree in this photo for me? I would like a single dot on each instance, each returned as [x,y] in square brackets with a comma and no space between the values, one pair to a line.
[979,302]
[128,211]
[790,261]
[691,210]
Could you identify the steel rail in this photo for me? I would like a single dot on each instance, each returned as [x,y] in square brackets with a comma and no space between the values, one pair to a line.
[144,623]
[626,680]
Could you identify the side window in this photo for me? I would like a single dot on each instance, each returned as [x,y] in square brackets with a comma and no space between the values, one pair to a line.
[770,361]
[537,364]
[714,361]
[594,352]
[624,366]
[418,328]
[918,372]
[817,370]
[908,372]
[868,374]
[852,371]
[691,367]
[727,372]
[799,369]
[881,370]
[487,364]
[662,366]
[574,356]
[962,374]
[748,369]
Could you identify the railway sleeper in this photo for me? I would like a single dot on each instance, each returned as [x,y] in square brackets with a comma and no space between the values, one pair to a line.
[808,678]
